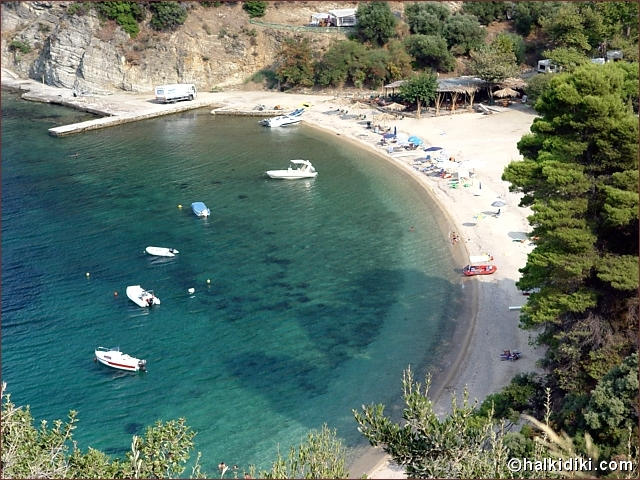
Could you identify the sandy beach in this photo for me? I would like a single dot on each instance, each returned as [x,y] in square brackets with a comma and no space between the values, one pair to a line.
[489,141]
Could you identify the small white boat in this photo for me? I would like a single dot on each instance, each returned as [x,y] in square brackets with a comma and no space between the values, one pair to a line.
[297,169]
[284,120]
[114,358]
[142,297]
[161,251]
[200,209]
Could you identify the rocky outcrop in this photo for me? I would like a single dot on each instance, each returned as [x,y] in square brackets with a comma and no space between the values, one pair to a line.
[216,46]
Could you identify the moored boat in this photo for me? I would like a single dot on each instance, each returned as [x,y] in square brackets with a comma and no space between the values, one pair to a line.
[114,358]
[284,120]
[142,297]
[297,169]
[161,251]
[200,209]
[471,270]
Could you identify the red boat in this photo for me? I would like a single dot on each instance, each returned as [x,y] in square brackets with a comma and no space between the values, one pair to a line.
[471,270]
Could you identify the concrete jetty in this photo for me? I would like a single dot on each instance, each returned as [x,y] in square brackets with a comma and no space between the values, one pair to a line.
[117,108]
[113,109]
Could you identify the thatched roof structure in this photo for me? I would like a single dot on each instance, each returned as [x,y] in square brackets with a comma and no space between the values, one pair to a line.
[465,84]
[513,82]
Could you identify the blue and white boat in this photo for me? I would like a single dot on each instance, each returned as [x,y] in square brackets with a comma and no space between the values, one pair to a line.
[283,120]
[200,209]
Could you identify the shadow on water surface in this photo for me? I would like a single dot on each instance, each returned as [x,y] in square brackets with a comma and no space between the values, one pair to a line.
[308,370]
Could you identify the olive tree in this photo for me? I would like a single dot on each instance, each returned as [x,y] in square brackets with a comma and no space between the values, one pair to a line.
[419,89]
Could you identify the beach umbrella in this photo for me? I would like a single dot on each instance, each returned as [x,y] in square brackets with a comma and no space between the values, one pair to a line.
[506,92]
[395,106]
[415,140]
[498,203]
[360,106]
[381,116]
[432,149]
[395,130]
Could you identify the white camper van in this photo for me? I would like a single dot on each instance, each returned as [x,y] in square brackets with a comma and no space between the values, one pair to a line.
[176,92]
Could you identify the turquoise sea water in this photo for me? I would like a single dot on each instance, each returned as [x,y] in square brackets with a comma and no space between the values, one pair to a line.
[321,293]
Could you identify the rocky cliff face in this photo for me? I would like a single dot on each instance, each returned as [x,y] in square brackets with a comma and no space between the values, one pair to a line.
[216,46]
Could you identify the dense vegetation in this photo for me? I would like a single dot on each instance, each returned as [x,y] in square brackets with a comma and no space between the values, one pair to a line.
[472,443]
[162,452]
[580,177]
[436,40]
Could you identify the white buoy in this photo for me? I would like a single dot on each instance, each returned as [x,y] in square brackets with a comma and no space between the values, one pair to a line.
[179,205]
[87,274]
[192,290]
[208,281]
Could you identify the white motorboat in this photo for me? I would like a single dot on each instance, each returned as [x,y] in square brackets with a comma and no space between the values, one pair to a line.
[161,251]
[297,169]
[114,358]
[283,120]
[142,297]
[200,209]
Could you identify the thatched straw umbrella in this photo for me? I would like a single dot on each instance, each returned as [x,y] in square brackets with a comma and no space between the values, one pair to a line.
[383,117]
[506,92]
[360,107]
[395,106]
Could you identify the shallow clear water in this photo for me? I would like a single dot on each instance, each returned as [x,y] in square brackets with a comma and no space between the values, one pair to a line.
[321,293]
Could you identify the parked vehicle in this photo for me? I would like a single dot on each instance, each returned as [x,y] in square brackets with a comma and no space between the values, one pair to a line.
[176,92]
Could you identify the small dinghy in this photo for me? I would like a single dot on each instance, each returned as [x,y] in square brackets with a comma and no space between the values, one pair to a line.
[471,270]
[200,209]
[142,297]
[114,358]
[161,251]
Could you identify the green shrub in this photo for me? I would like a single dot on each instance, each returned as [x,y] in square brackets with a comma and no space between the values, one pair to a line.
[255,8]
[522,394]
[426,18]
[536,85]
[126,14]
[376,22]
[79,8]
[512,42]
[463,33]
[22,47]
[296,66]
[486,12]
[430,51]
[167,15]
[268,77]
